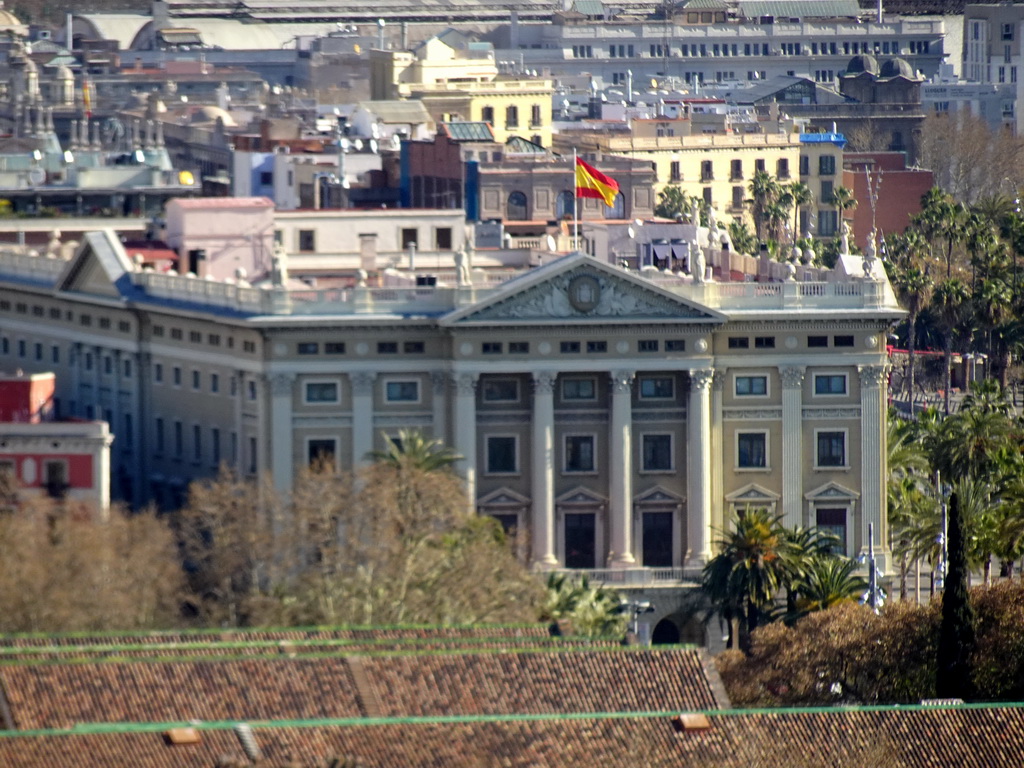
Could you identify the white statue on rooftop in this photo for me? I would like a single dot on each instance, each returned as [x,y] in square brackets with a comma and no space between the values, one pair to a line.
[845,237]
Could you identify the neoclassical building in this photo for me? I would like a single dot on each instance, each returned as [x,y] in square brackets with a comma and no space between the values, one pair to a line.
[615,418]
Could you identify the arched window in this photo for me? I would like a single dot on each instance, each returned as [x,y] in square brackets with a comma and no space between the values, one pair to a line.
[618,210]
[565,205]
[516,207]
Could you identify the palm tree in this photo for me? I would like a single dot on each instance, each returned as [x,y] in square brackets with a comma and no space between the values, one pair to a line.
[941,217]
[994,308]
[829,581]
[969,441]
[742,579]
[764,190]
[801,195]
[912,287]
[843,200]
[742,239]
[413,450]
[950,301]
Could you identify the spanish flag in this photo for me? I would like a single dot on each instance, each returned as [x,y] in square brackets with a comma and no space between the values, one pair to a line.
[590,182]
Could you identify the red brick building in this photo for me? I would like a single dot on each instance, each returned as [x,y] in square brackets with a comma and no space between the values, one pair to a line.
[887,192]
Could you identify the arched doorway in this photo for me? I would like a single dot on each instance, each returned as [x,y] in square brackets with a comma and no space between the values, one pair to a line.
[665,633]
[516,207]
[617,210]
[565,205]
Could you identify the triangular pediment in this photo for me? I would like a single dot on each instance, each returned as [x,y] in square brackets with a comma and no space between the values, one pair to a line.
[752,493]
[658,495]
[503,497]
[100,267]
[581,289]
[831,491]
[582,496]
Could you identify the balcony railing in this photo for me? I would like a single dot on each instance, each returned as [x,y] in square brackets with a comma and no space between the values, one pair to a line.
[635,577]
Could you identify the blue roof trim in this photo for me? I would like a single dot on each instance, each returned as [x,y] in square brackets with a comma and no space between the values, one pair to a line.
[823,138]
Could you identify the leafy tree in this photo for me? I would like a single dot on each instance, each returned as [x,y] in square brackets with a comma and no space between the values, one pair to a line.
[957,632]
[577,608]
[64,569]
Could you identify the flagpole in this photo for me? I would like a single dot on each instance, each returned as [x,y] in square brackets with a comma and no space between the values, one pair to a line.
[575,205]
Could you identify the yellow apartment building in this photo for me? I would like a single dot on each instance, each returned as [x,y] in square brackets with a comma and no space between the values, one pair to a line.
[465,84]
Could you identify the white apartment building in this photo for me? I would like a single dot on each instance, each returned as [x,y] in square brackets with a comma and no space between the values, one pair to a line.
[617,417]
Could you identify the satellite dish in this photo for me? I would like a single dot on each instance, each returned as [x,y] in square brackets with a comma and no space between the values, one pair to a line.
[631,232]
[396,141]
[375,131]
[358,144]
[345,145]
[36,176]
[373,145]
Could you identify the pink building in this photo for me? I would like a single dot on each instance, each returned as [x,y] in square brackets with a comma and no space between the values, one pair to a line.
[214,237]
[61,459]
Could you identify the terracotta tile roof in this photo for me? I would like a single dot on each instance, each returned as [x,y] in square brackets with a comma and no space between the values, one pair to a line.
[558,681]
[61,695]
[989,736]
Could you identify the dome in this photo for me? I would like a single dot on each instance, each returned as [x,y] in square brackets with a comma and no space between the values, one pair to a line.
[8,19]
[897,68]
[863,63]
[210,114]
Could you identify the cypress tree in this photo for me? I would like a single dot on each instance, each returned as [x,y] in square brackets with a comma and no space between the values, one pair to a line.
[956,636]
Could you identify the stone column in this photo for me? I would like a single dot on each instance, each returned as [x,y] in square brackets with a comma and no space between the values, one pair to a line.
[362,416]
[439,379]
[698,470]
[238,444]
[465,430]
[543,469]
[281,448]
[873,460]
[620,470]
[792,444]
[140,406]
[718,457]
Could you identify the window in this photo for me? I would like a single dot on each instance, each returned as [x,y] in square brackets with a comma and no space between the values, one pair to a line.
[764,342]
[759,164]
[487,115]
[512,116]
[177,334]
[158,373]
[195,337]
[251,386]
[176,374]
[402,391]
[443,239]
[197,442]
[38,348]
[321,392]
[805,165]
[706,195]
[569,347]
[410,237]
[674,172]
[737,197]
[833,521]
[55,477]
[675,345]
[827,188]
[597,347]
[579,389]
[214,446]
[158,436]
[842,341]
[830,384]
[307,240]
[387,347]
[321,450]
[752,450]
[502,454]
[735,170]
[536,116]
[827,165]
[334,348]
[657,388]
[706,170]
[196,383]
[253,455]
[747,386]
[647,345]
[579,453]
[739,342]
[500,390]
[214,383]
[519,347]
[782,168]
[657,453]
[491,348]
[126,368]
[516,208]
[828,223]
[179,440]
[55,354]
[414,347]
[817,341]
[831,449]
[307,348]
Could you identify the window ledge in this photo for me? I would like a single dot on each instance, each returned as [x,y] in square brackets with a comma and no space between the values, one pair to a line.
[580,472]
[516,473]
[658,471]
[763,470]
[845,468]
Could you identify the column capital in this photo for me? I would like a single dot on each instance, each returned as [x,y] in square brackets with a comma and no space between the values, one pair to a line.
[718,381]
[465,383]
[621,382]
[544,383]
[792,376]
[872,376]
[439,380]
[700,379]
[281,383]
[362,382]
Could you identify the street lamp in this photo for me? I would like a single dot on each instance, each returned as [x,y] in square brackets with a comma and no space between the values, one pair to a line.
[636,609]
[875,596]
